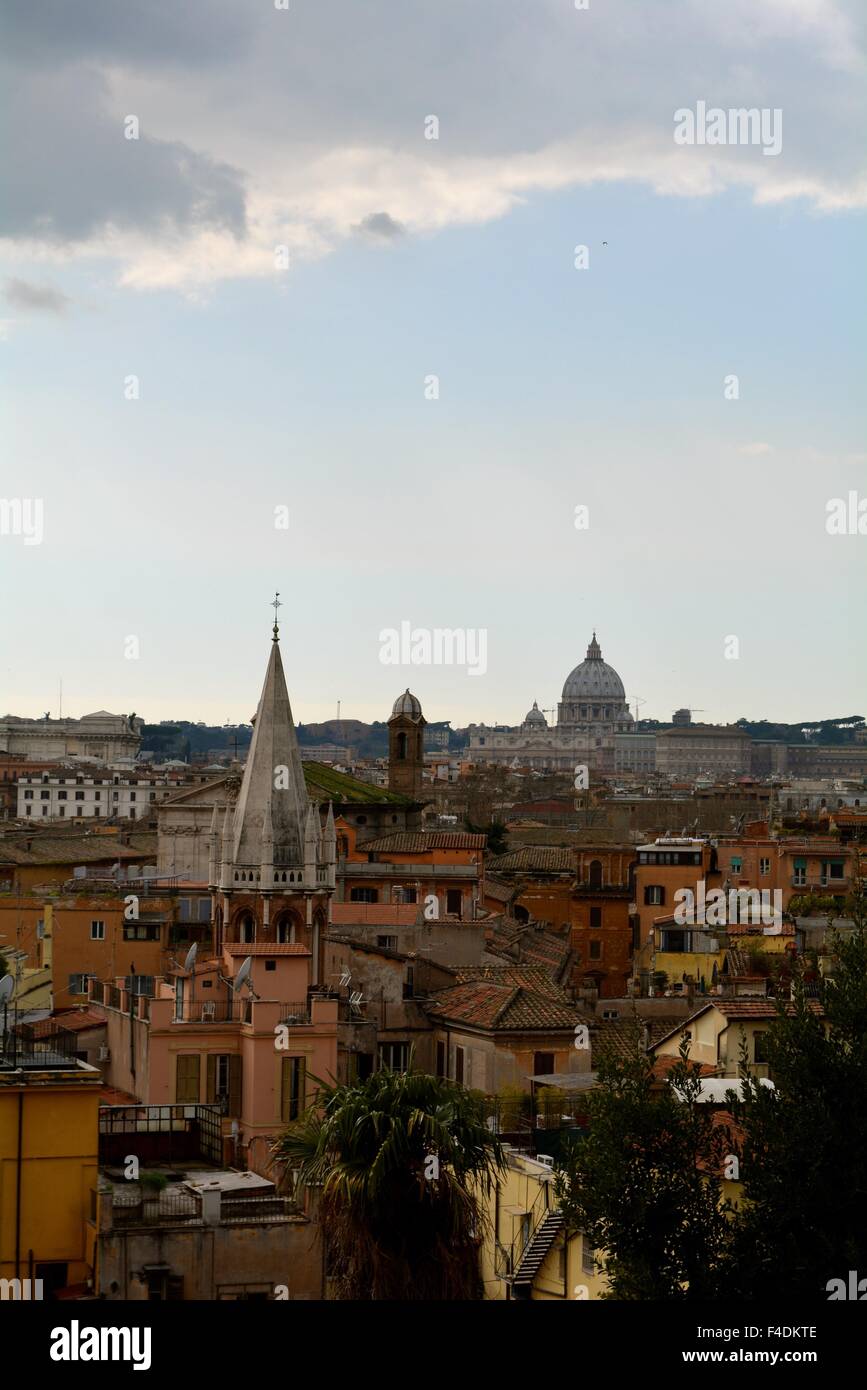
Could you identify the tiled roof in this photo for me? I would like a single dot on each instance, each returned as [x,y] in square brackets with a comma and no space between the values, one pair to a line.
[533,977]
[498,890]
[419,841]
[522,945]
[110,1095]
[264,948]
[73,1020]
[502,1008]
[739,1010]
[618,1035]
[374,914]
[73,849]
[533,859]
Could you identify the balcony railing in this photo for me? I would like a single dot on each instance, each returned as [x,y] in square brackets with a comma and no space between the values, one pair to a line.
[295,1013]
[210,1011]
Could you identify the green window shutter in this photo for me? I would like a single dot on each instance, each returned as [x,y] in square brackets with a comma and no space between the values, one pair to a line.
[800,863]
[292,1088]
[211,1092]
[187,1079]
[234,1085]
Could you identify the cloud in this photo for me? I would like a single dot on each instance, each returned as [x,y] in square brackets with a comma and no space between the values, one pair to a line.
[262,127]
[755,450]
[381,226]
[21,294]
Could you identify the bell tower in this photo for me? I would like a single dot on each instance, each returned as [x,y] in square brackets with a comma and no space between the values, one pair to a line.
[406,747]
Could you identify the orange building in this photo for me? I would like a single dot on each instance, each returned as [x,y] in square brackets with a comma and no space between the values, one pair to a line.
[442,869]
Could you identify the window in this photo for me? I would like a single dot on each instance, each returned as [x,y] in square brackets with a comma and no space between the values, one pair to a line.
[364,895]
[40,929]
[224,1081]
[44,795]
[45,810]
[139,984]
[737,863]
[187,1071]
[270,965]
[388,943]
[441,1058]
[78,984]
[61,810]
[543,1064]
[764,866]
[394,1056]
[141,931]
[292,1088]
[596,874]
[97,931]
[79,810]
[28,796]
[132,796]
[97,796]
[654,895]
[760,1047]
[588,1262]
[454,899]
[459,1065]
[595,918]
[28,810]
[595,950]
[800,875]
[79,796]
[61,796]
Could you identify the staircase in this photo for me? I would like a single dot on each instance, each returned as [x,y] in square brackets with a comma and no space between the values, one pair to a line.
[534,1254]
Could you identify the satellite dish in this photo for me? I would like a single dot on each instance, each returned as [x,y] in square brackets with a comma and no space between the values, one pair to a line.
[7,986]
[243,974]
[191,956]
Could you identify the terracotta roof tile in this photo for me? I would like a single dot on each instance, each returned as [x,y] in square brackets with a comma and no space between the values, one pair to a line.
[534,859]
[503,1008]
[420,841]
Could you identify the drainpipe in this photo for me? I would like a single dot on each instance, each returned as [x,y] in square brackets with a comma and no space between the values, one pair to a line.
[18,1185]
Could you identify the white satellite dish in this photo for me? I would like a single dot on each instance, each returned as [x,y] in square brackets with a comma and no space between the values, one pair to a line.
[7,986]
[243,974]
[190,961]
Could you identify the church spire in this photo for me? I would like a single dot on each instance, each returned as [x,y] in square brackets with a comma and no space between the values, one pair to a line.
[273,778]
[594,651]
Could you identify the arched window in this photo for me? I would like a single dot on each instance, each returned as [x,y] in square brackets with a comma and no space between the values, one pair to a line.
[596,873]
[246,927]
[401,746]
[286,929]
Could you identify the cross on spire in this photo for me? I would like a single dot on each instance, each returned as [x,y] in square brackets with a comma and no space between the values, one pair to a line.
[275,605]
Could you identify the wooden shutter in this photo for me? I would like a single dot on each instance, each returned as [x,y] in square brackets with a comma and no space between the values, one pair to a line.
[187,1079]
[292,1088]
[234,1085]
[211,1091]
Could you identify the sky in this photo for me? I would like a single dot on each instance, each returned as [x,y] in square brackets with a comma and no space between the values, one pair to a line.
[282,340]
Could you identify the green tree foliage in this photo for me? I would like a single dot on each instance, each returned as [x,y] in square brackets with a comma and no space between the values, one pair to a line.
[644,1184]
[804,1154]
[401,1162]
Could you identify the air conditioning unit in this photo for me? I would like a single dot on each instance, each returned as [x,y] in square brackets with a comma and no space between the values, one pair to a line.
[103,1053]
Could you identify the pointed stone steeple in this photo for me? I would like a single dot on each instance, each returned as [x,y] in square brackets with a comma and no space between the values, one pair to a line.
[267,871]
[329,846]
[273,775]
[312,834]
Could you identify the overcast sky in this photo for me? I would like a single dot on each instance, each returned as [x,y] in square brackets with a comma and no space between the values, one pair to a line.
[282,261]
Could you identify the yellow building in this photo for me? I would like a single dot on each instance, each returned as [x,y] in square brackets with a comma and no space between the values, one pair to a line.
[527,1254]
[49,1104]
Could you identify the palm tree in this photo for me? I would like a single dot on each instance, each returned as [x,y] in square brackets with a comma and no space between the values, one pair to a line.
[402,1161]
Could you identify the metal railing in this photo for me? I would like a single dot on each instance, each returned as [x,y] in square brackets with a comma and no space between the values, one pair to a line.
[22,1047]
[147,1206]
[295,1013]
